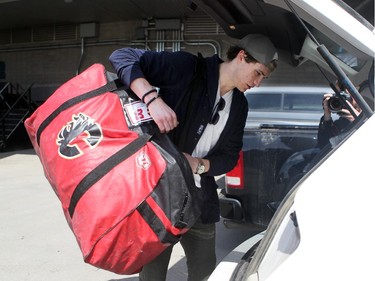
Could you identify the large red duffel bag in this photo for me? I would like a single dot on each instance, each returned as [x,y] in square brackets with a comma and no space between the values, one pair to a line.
[127,193]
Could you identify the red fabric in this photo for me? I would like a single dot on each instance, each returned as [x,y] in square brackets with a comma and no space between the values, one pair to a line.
[108,237]
[116,251]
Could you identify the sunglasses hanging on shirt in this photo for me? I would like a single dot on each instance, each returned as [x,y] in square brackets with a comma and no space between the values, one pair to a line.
[218,107]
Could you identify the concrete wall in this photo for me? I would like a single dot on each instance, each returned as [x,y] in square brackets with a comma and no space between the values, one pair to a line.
[48,64]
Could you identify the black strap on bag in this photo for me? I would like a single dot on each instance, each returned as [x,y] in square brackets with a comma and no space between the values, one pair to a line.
[102,169]
[156,223]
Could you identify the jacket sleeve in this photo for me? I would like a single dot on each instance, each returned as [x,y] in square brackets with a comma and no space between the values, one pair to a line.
[126,63]
[161,69]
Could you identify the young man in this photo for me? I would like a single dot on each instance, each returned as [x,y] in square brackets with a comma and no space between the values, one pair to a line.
[200,103]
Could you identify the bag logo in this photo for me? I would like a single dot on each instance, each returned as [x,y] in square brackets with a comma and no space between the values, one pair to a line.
[70,137]
[143,161]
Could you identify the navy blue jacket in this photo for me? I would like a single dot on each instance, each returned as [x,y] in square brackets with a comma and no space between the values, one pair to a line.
[173,73]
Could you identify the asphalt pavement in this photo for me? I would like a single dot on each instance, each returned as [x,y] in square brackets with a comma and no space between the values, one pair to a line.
[36,243]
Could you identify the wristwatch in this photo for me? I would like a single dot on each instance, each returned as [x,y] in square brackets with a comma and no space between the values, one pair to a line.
[200,167]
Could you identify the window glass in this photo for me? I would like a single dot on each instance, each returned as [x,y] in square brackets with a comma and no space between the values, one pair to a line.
[303,102]
[264,101]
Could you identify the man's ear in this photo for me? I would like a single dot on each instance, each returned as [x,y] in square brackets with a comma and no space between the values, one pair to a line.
[241,55]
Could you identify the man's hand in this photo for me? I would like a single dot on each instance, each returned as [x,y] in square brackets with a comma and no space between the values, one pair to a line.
[163,115]
[327,111]
[193,162]
[345,113]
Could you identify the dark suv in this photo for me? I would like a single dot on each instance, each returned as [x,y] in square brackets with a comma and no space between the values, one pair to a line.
[282,122]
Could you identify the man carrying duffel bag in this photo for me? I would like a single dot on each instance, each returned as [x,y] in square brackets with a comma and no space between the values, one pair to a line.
[200,104]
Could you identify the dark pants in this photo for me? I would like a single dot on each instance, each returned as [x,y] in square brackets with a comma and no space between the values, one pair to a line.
[199,246]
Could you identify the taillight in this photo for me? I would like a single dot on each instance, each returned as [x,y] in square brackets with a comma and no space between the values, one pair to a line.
[235,178]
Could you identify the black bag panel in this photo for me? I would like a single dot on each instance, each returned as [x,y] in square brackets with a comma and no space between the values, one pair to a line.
[184,209]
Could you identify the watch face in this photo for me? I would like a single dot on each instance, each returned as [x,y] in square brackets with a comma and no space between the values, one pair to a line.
[200,169]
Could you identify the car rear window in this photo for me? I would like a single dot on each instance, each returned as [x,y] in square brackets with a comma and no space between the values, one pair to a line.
[264,101]
[303,102]
[285,102]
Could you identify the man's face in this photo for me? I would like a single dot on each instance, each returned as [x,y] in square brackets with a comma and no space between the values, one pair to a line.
[250,74]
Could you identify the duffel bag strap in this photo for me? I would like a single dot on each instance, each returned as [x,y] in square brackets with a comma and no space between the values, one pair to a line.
[102,169]
[156,224]
[109,87]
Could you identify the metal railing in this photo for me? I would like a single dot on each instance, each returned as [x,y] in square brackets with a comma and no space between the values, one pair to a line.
[22,100]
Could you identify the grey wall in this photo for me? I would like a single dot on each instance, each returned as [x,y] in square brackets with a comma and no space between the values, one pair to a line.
[49,62]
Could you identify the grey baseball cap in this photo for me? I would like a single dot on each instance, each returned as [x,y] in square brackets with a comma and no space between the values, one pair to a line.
[259,47]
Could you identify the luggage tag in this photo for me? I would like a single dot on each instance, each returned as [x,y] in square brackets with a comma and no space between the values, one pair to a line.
[135,111]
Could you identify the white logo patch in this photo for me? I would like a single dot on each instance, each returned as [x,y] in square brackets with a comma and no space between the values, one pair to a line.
[143,161]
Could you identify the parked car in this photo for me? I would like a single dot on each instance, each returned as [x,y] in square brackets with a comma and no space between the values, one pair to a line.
[322,229]
[281,122]
[271,106]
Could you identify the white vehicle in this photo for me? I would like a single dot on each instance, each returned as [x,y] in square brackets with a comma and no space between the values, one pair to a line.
[323,229]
